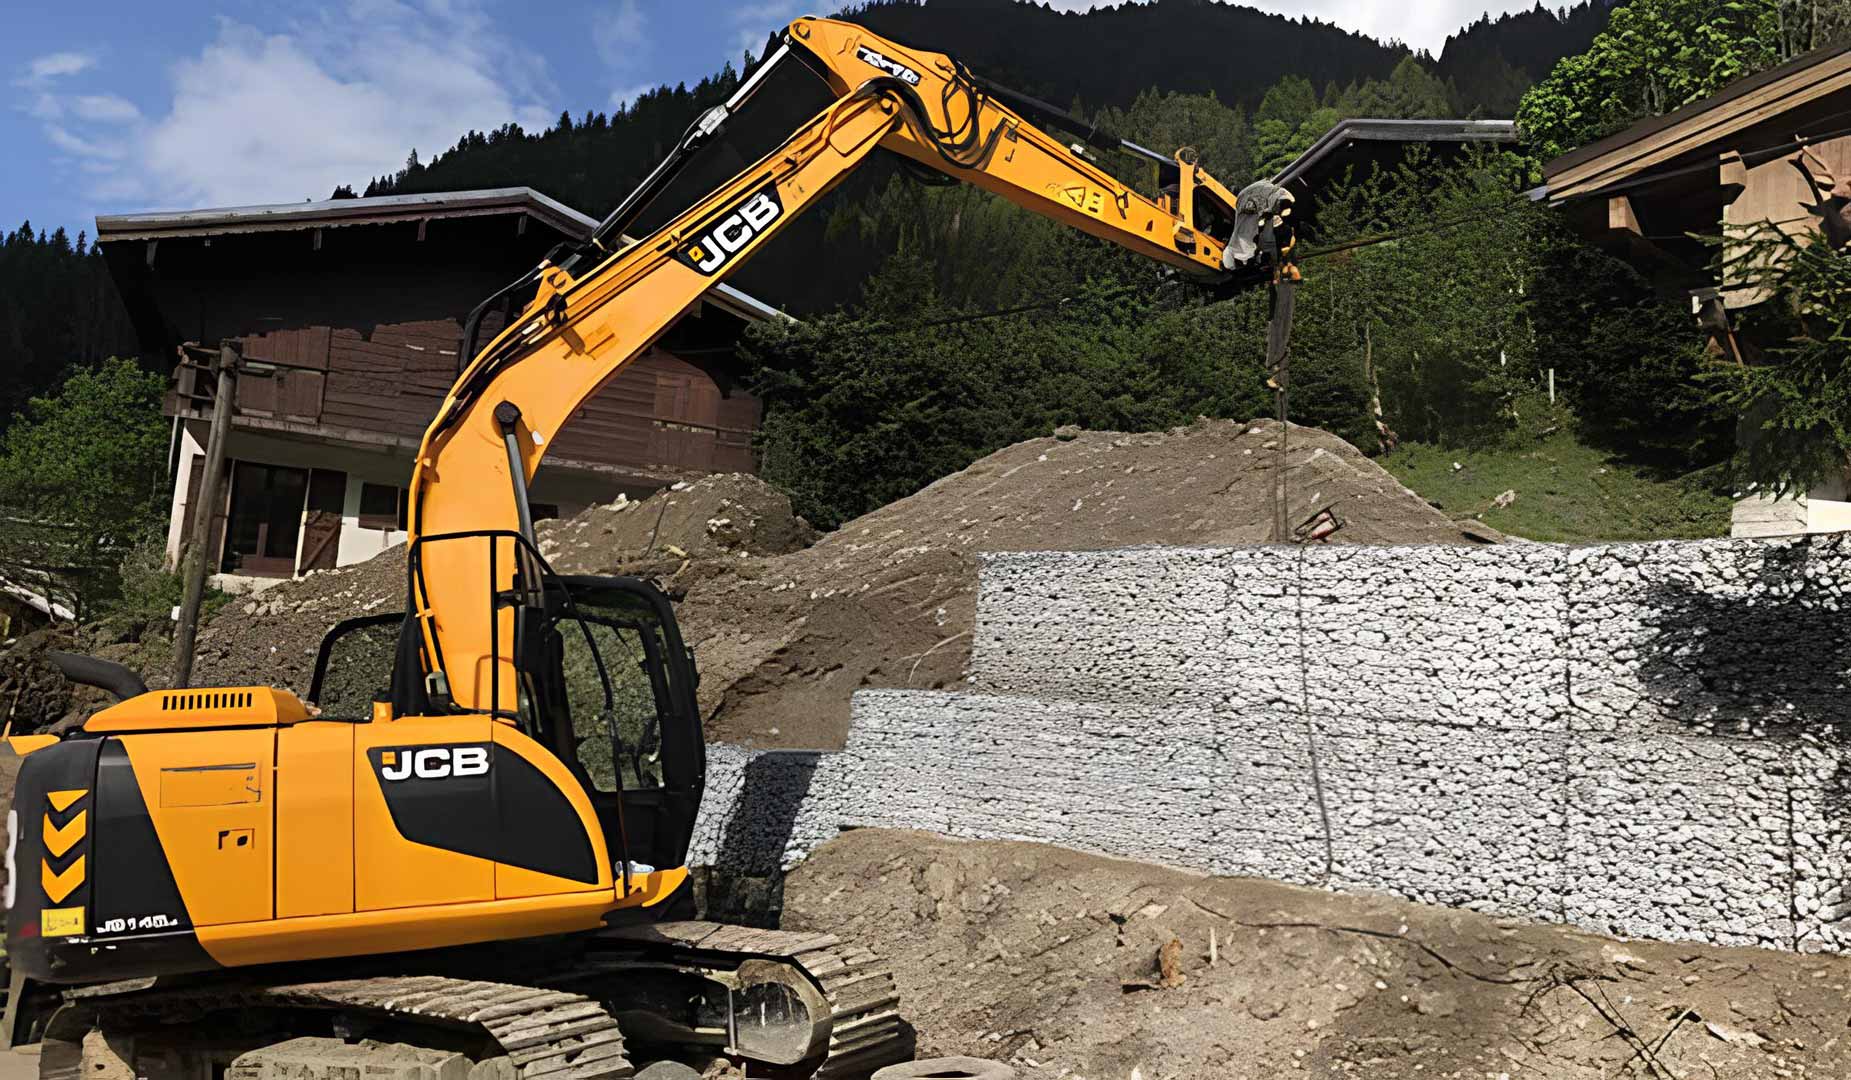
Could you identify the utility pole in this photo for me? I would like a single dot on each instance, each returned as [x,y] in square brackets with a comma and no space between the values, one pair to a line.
[193,560]
[1278,348]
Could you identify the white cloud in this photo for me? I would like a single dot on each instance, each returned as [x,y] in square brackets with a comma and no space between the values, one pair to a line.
[1422,25]
[624,95]
[55,66]
[757,20]
[63,139]
[620,33]
[37,79]
[104,109]
[287,114]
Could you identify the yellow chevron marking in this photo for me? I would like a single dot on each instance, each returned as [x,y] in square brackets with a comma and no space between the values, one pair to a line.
[59,840]
[62,800]
[59,886]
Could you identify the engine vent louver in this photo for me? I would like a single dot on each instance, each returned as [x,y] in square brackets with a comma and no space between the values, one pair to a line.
[197,700]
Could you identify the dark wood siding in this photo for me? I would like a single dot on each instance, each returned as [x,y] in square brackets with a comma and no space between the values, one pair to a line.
[661,415]
[667,415]
[353,333]
[292,388]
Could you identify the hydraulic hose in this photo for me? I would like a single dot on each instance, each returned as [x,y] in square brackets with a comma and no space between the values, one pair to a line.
[102,674]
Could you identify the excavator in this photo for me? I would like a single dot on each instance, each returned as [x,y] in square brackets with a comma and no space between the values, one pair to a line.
[464,855]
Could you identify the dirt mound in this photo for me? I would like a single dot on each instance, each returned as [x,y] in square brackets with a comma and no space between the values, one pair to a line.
[889,599]
[1049,959]
[270,638]
[715,516]
[786,633]
[34,694]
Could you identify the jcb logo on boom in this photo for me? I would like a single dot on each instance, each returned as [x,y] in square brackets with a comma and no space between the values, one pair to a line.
[718,238]
[432,762]
[890,66]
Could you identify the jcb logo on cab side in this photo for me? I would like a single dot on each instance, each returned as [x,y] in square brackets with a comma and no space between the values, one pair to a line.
[432,762]
[716,240]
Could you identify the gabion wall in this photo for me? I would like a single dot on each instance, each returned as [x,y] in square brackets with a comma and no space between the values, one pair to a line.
[1641,739]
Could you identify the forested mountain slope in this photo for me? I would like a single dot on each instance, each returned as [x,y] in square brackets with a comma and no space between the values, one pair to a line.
[1250,88]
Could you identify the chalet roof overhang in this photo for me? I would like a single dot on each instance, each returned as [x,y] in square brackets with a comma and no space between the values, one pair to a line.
[1365,140]
[1807,97]
[386,210]
[331,213]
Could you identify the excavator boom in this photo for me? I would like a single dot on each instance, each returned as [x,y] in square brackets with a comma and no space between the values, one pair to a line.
[581,330]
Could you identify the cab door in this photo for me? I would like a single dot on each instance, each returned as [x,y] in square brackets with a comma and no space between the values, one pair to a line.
[629,727]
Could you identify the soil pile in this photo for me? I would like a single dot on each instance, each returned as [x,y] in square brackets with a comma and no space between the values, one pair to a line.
[1051,960]
[785,633]
[270,639]
[889,599]
[713,517]
[36,697]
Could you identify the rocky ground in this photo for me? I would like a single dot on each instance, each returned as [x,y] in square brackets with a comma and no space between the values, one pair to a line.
[787,625]
[1052,960]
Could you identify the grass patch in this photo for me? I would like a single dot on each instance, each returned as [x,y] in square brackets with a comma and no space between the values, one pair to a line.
[1566,492]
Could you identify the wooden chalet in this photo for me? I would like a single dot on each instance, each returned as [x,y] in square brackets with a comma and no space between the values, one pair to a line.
[350,315]
[1774,147]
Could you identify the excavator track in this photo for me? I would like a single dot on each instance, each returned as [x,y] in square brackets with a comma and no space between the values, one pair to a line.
[545,1034]
[856,1026]
[802,1004]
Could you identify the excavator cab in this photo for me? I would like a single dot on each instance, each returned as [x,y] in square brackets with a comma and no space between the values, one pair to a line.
[606,684]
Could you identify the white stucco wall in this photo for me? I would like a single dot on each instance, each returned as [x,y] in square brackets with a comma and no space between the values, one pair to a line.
[570,491]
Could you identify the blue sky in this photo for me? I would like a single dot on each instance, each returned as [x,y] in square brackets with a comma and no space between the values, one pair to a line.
[120,105]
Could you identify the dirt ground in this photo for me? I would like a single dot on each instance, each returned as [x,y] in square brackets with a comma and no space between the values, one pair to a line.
[786,626]
[1049,959]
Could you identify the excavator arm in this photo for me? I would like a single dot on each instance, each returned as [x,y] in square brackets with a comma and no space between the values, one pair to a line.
[595,311]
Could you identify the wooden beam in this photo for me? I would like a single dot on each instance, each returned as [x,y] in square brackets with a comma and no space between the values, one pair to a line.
[1731,175]
[1626,238]
[1620,216]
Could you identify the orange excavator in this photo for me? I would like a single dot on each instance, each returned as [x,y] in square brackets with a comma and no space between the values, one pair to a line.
[465,854]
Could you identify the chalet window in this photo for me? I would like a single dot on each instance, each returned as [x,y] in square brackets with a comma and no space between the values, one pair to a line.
[265,519]
[382,507]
